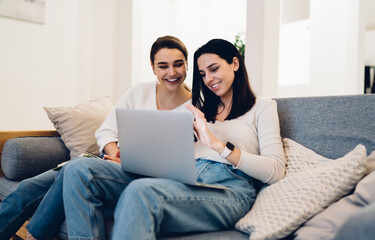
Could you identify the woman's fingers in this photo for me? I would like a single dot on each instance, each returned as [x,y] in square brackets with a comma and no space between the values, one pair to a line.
[112,158]
[199,117]
[115,160]
[200,126]
[191,108]
[196,112]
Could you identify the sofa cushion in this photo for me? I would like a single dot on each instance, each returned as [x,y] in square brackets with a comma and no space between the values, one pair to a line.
[359,226]
[311,183]
[25,157]
[7,186]
[325,225]
[77,125]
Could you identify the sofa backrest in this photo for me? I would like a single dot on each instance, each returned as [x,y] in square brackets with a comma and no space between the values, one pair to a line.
[332,125]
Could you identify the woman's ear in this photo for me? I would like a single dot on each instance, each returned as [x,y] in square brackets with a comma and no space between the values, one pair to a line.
[236,63]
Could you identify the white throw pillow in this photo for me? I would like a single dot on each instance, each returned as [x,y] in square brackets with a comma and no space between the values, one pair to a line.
[311,183]
[77,125]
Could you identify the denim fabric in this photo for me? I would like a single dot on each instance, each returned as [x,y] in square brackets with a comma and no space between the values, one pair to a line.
[22,202]
[150,206]
[91,188]
[50,214]
[167,206]
[7,187]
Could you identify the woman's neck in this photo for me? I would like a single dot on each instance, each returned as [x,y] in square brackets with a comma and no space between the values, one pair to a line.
[169,100]
[224,108]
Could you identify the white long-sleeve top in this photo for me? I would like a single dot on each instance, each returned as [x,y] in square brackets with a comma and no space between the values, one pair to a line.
[140,96]
[257,135]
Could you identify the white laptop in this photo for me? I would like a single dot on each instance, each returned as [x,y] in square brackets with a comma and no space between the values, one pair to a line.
[158,144]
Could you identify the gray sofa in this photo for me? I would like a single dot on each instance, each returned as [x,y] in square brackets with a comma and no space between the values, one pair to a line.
[330,126]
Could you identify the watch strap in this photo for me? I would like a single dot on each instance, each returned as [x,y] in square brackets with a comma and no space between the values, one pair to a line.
[229,147]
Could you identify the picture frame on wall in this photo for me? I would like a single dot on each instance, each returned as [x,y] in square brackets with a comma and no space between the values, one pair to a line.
[26,10]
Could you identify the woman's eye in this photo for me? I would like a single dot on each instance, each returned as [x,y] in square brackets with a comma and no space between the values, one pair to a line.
[163,67]
[179,65]
[214,69]
[202,75]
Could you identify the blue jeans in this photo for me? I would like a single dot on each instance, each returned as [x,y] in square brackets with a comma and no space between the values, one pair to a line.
[150,206]
[49,216]
[22,202]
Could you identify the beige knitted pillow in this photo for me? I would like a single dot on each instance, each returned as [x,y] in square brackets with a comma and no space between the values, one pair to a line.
[311,183]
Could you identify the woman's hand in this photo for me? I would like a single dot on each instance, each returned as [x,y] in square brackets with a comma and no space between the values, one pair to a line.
[206,137]
[115,159]
[112,153]
[203,134]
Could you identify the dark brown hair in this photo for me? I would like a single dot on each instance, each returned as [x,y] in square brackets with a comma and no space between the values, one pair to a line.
[207,101]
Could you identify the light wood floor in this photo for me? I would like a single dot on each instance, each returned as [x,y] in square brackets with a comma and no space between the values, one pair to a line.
[22,233]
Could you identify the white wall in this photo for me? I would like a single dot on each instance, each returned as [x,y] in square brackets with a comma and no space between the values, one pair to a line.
[337,30]
[262,45]
[336,47]
[72,58]
[193,21]
[294,10]
[294,53]
[370,47]
[87,49]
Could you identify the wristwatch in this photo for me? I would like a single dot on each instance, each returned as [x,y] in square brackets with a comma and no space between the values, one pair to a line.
[229,147]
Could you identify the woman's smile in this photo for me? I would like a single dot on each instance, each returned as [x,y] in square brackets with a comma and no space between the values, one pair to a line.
[215,86]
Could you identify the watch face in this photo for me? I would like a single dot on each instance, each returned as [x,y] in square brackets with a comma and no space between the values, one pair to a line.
[230,146]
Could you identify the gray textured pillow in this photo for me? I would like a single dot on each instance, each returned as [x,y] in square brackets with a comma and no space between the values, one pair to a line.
[25,157]
[325,225]
[77,125]
[311,183]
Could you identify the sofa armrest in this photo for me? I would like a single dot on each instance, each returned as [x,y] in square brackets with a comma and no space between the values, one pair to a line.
[6,135]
